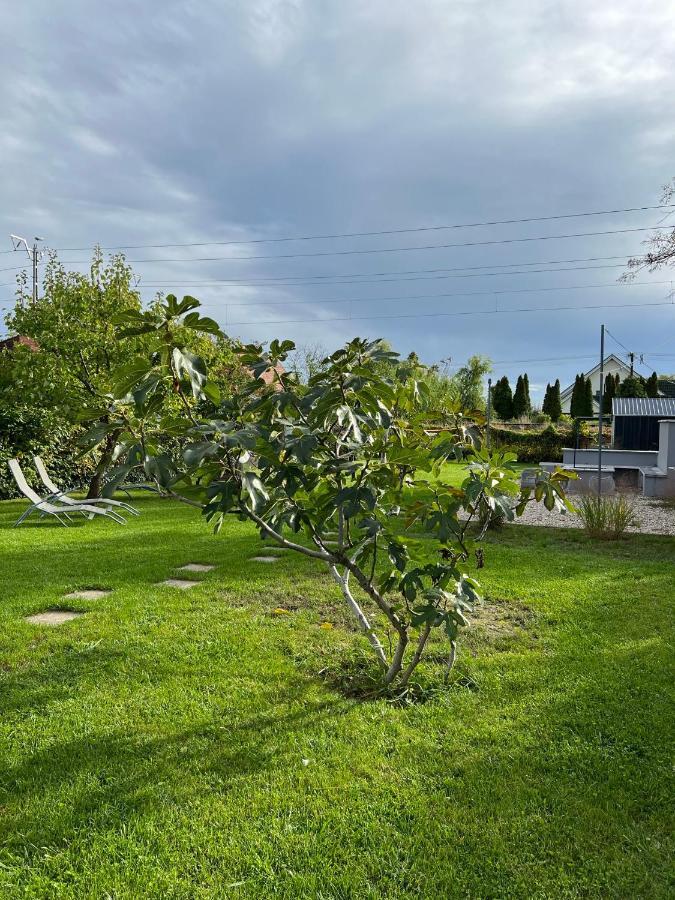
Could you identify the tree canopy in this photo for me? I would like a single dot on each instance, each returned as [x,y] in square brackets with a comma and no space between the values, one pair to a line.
[338,469]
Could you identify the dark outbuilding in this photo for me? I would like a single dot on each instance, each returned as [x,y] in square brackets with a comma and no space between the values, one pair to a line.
[636,421]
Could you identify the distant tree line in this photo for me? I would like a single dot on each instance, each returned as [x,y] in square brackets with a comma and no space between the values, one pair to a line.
[513,404]
[633,386]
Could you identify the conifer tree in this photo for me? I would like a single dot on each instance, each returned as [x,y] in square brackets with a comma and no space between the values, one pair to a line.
[546,405]
[519,399]
[555,407]
[652,385]
[587,397]
[575,402]
[528,402]
[502,399]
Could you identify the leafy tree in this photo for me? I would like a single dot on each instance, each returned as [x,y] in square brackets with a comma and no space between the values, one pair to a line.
[502,399]
[652,385]
[78,349]
[633,386]
[520,398]
[336,462]
[72,323]
[469,382]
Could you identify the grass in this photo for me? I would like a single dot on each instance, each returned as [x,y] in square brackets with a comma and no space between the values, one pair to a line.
[187,745]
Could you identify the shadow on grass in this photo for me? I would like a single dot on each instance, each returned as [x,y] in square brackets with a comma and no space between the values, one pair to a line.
[110,778]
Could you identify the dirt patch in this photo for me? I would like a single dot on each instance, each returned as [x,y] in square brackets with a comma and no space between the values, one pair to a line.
[503,624]
[53,617]
[87,594]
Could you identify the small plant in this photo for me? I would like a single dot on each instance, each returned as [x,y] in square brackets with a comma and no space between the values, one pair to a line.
[606,518]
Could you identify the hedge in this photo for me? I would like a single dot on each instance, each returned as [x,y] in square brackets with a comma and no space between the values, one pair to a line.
[533,446]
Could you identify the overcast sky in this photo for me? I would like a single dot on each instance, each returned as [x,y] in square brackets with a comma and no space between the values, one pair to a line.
[185,122]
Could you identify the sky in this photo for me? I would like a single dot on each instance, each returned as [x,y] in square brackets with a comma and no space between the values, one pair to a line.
[197,123]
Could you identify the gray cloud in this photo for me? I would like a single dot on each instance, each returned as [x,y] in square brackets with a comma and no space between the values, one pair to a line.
[217,121]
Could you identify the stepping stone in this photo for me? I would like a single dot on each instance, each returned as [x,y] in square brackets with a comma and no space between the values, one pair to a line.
[181,583]
[89,594]
[53,617]
[265,559]
[196,567]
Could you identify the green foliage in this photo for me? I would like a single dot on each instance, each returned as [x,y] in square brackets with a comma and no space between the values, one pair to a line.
[606,518]
[469,383]
[502,399]
[633,386]
[534,446]
[26,432]
[82,363]
[581,403]
[608,394]
[652,385]
[334,461]
[551,405]
[521,398]
[588,398]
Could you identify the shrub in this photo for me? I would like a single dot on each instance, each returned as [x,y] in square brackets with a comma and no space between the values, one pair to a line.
[534,446]
[606,518]
[25,433]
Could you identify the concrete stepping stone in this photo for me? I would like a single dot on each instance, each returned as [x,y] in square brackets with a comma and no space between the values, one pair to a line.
[181,583]
[196,567]
[88,594]
[265,559]
[53,617]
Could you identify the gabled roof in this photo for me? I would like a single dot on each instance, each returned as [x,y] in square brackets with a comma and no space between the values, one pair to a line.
[658,407]
[611,357]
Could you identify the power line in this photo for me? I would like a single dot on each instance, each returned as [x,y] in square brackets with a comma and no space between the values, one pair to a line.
[308,275]
[616,340]
[360,234]
[362,252]
[550,359]
[486,312]
[338,275]
[487,293]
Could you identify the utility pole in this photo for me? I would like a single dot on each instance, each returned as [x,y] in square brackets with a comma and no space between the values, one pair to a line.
[489,411]
[632,360]
[35,255]
[602,378]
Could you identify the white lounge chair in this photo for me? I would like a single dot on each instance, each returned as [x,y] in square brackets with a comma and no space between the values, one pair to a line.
[62,496]
[45,508]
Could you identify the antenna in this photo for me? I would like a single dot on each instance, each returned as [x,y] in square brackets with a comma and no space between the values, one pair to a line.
[35,254]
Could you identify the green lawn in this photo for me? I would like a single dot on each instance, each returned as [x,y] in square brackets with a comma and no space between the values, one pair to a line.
[190,744]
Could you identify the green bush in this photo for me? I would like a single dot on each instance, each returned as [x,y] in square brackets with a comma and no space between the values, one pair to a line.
[533,446]
[24,433]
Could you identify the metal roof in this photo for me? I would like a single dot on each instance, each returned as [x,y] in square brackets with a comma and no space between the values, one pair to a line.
[661,407]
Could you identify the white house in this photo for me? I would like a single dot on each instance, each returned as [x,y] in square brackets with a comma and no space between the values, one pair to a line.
[613,365]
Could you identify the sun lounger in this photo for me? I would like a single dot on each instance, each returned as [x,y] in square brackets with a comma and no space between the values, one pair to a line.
[47,508]
[62,496]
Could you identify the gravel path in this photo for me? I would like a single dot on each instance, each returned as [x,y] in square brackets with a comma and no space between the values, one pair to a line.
[654,517]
